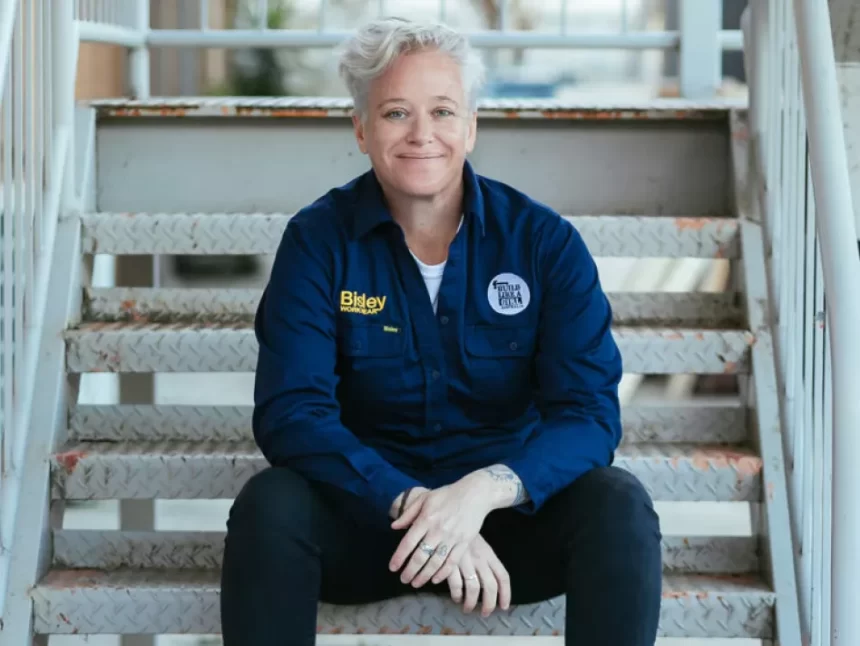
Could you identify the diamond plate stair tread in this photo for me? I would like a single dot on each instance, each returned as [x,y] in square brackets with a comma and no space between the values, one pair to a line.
[189,347]
[107,470]
[681,422]
[260,233]
[317,107]
[147,602]
[112,549]
[202,305]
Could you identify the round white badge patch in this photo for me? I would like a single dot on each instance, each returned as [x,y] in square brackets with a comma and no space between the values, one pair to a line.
[508,294]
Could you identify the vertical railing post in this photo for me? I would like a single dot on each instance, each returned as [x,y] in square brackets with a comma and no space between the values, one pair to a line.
[63,91]
[139,56]
[701,56]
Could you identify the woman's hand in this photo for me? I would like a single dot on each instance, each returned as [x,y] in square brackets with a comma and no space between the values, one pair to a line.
[442,523]
[411,494]
[480,569]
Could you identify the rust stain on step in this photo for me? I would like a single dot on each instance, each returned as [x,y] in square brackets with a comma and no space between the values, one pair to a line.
[129,309]
[160,111]
[744,463]
[69,460]
[690,224]
[74,579]
[676,594]
[625,114]
[243,111]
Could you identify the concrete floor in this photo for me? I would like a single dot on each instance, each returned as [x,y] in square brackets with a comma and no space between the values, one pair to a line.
[237,388]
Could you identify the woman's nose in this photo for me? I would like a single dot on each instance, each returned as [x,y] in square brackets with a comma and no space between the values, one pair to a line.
[421,131]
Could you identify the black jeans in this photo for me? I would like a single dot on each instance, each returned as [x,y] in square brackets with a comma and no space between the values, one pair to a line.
[291,544]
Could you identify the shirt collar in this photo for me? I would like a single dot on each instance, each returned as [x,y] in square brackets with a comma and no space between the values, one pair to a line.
[371,210]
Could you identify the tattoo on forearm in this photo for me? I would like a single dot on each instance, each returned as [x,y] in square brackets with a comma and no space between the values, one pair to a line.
[501,473]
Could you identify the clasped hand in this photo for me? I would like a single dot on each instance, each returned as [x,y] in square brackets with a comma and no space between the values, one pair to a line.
[443,542]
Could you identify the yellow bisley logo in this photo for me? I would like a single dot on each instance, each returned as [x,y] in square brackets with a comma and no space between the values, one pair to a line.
[355,303]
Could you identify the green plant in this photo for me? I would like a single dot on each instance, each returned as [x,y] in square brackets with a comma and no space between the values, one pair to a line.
[262,71]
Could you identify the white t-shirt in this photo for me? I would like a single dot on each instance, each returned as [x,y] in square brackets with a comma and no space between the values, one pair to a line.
[432,274]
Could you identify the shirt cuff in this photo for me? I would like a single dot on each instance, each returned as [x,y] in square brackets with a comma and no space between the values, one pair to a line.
[386,487]
[534,482]
[540,482]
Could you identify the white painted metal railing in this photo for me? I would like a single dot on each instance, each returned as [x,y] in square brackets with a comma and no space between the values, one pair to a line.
[119,22]
[108,21]
[700,39]
[36,140]
[805,197]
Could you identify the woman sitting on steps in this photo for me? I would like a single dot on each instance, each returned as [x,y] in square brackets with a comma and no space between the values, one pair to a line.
[436,387]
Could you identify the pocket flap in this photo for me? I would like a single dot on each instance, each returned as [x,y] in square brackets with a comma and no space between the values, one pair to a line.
[373,340]
[499,341]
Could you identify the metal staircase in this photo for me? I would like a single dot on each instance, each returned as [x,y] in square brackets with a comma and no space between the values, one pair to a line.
[173,177]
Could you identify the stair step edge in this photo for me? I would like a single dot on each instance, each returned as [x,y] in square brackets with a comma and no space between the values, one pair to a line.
[146,602]
[639,236]
[674,109]
[201,305]
[724,423]
[104,471]
[199,550]
[138,347]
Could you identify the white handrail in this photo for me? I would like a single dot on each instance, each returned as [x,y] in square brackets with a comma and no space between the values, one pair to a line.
[94,32]
[487,39]
[841,264]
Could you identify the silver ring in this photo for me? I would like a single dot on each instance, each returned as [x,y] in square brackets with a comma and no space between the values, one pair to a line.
[472,578]
[427,548]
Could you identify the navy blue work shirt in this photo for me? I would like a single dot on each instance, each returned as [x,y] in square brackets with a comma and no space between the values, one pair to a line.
[362,387]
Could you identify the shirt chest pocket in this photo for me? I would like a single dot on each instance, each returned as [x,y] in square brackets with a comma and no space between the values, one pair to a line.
[379,373]
[500,360]
[369,347]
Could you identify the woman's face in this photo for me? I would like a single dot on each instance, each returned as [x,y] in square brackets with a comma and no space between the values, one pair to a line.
[418,128]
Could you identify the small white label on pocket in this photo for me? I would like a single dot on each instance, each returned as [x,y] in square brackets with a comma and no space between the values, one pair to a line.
[508,294]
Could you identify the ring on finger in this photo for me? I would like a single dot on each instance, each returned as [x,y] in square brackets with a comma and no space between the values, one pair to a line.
[427,548]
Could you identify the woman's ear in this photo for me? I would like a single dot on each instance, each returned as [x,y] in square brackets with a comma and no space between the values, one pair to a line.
[472,132]
[358,126]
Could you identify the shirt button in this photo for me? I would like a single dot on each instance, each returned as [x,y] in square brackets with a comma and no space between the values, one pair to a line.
[443,320]
[514,345]
[437,427]
[435,374]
